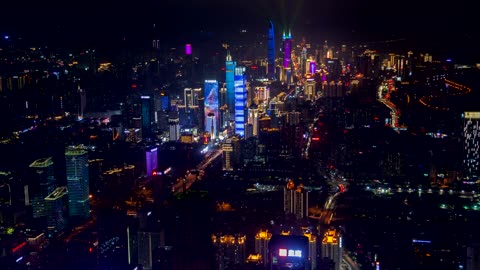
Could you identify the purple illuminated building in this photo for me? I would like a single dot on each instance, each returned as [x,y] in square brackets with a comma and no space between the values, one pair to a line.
[313,67]
[287,49]
[211,107]
[151,160]
[188,49]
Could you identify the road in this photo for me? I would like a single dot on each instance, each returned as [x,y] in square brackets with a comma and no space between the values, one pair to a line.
[187,181]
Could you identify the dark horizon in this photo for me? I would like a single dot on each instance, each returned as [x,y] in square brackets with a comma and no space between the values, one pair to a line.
[88,23]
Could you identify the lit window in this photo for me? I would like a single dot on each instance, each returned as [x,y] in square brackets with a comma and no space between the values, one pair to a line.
[282,252]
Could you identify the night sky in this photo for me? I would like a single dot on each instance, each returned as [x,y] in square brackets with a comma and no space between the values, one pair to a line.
[452,24]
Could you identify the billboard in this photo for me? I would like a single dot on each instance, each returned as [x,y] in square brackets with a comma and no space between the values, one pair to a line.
[211,107]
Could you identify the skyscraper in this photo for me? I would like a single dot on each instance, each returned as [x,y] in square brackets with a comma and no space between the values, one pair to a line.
[287,56]
[211,107]
[227,151]
[332,247]
[42,185]
[240,100]
[174,125]
[271,52]
[146,116]
[295,200]
[151,160]
[471,144]
[229,80]
[56,208]
[76,161]
[229,251]
[261,244]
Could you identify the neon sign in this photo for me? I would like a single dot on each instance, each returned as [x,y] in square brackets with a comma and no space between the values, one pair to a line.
[283,252]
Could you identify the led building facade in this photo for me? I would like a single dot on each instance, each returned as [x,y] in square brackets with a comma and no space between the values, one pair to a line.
[230,82]
[288,252]
[240,100]
[471,144]
[146,115]
[151,160]
[287,50]
[227,155]
[76,161]
[271,52]
[43,184]
[211,109]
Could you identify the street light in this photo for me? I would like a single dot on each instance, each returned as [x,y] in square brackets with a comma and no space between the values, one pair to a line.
[9,192]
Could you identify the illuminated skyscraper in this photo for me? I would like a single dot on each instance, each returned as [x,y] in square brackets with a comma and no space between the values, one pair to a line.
[229,251]
[146,115]
[287,49]
[42,185]
[76,161]
[174,125]
[211,108]
[227,155]
[229,80]
[261,244]
[253,116]
[471,144]
[312,247]
[56,208]
[295,200]
[240,100]
[332,247]
[287,57]
[271,52]
[151,160]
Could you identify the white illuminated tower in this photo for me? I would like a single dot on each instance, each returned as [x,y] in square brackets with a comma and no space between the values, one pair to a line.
[471,144]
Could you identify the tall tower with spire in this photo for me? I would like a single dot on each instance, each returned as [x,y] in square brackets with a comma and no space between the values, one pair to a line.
[230,82]
[271,52]
[287,55]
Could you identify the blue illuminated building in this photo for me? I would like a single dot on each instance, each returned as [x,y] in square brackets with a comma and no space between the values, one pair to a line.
[240,100]
[229,80]
[271,52]
[147,104]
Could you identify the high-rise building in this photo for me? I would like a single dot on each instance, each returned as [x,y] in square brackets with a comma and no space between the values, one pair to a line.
[151,160]
[76,161]
[261,244]
[174,126]
[148,243]
[310,91]
[471,144]
[253,116]
[312,247]
[227,155]
[146,116]
[211,107]
[42,185]
[230,82]
[271,52]
[240,100]
[229,251]
[295,200]
[56,208]
[287,49]
[332,247]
